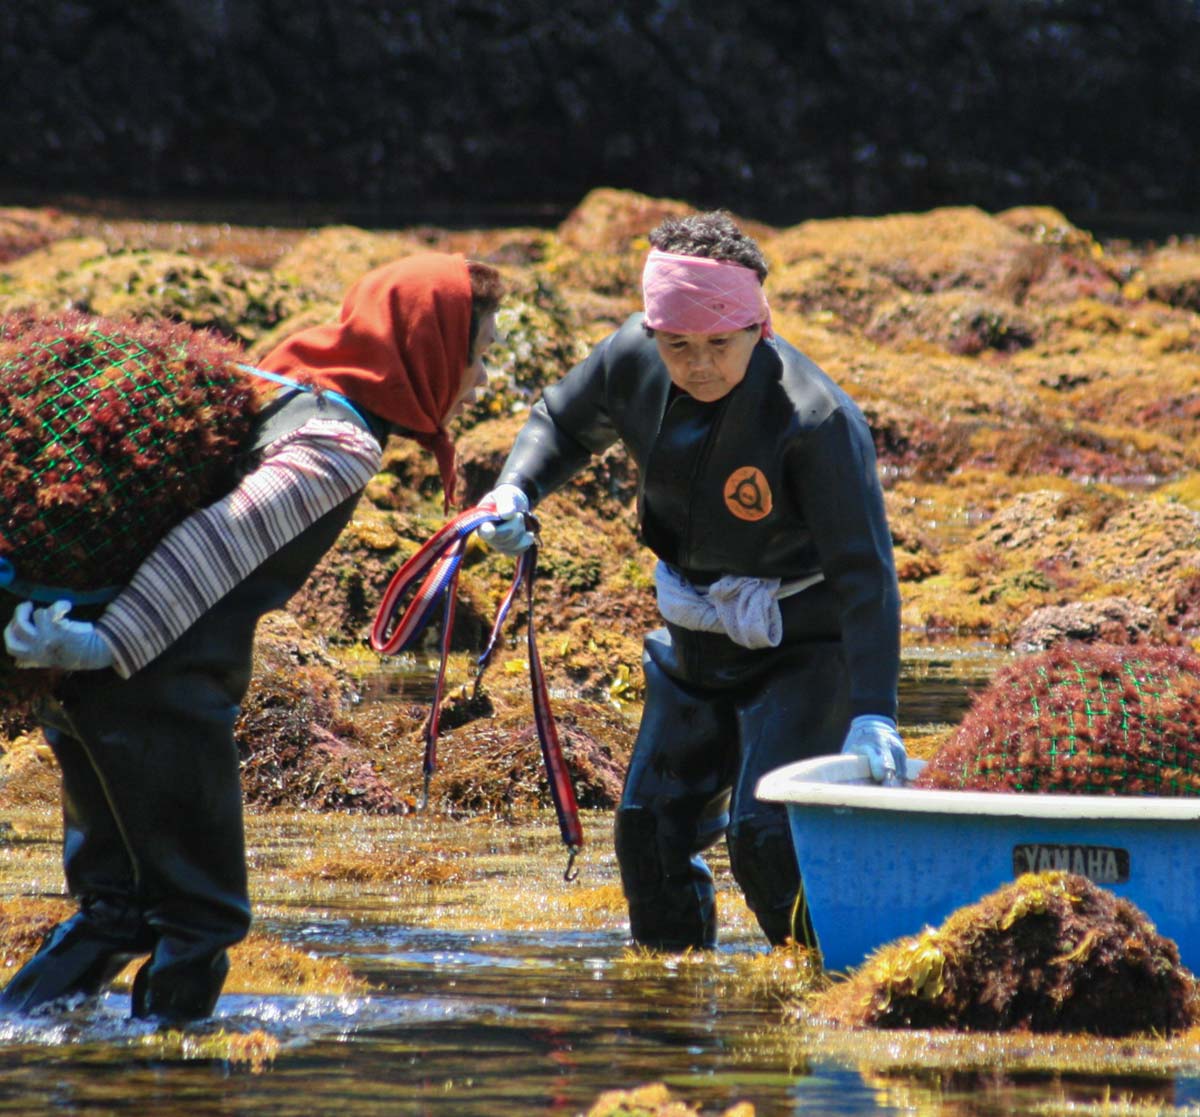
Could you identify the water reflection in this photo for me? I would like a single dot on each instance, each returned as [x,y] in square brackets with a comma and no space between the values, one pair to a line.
[505,1023]
[938,681]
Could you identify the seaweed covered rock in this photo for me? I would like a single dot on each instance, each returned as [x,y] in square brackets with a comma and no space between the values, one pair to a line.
[492,761]
[1050,952]
[29,773]
[87,275]
[1109,620]
[23,231]
[1172,275]
[539,340]
[653,1100]
[1040,546]
[1094,719]
[297,749]
[602,249]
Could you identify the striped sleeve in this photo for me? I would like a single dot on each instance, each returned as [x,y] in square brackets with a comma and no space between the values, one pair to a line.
[299,478]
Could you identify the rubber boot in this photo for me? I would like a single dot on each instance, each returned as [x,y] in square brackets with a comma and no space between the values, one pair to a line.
[169,766]
[672,901]
[673,807]
[763,862]
[175,987]
[161,747]
[78,957]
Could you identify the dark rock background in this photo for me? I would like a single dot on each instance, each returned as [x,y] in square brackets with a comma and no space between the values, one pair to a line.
[386,112]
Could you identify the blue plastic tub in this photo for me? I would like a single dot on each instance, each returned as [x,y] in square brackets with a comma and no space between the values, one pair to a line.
[880,863]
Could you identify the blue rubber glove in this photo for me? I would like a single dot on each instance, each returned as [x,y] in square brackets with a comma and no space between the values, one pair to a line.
[509,536]
[876,738]
[45,638]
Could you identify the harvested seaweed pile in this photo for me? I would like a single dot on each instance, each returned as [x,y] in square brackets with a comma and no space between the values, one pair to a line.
[1093,719]
[1050,952]
[111,432]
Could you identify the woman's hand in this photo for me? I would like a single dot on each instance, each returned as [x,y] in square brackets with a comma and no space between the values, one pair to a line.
[876,738]
[46,638]
[509,536]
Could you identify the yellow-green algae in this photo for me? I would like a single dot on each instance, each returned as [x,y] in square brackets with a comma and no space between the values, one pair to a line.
[654,1100]
[1099,384]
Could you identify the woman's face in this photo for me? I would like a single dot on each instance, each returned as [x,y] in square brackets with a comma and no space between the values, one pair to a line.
[475,376]
[707,366]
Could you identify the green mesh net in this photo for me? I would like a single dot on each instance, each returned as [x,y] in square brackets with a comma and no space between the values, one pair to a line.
[110,433]
[1085,719]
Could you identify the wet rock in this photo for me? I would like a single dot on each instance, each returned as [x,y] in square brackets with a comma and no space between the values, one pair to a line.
[1049,953]
[372,112]
[1172,275]
[218,295]
[653,1100]
[297,748]
[1110,620]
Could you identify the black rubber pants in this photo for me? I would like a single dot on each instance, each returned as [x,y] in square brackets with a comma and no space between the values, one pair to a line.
[714,722]
[152,827]
[153,845]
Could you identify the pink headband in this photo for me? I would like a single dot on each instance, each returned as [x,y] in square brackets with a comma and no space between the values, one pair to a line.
[697,295]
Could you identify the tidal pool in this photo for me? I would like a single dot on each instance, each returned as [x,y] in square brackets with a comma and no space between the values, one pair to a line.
[496,988]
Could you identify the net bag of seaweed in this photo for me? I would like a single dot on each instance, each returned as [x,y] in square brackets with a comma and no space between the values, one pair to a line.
[1087,719]
[111,433]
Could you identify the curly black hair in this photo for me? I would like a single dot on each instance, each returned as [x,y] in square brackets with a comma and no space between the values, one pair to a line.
[713,234]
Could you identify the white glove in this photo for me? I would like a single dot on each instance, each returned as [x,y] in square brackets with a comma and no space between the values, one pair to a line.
[45,638]
[876,738]
[509,536]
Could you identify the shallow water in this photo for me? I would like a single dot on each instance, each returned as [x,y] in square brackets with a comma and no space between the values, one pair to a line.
[508,991]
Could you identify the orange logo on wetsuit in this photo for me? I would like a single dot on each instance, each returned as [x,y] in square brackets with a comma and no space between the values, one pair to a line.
[747,494]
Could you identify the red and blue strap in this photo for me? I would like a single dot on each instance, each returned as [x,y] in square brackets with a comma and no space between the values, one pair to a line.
[438,562]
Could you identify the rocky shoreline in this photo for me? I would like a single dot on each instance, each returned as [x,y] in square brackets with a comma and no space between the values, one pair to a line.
[1033,392]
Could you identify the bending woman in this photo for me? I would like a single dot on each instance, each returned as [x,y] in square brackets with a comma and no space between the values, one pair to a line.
[142,724]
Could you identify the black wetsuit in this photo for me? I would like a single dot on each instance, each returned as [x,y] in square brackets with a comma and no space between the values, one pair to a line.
[776,479]
[153,845]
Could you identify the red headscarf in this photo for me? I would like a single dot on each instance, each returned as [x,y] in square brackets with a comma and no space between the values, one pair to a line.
[400,348]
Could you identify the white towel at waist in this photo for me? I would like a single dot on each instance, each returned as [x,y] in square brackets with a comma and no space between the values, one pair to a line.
[744,609]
